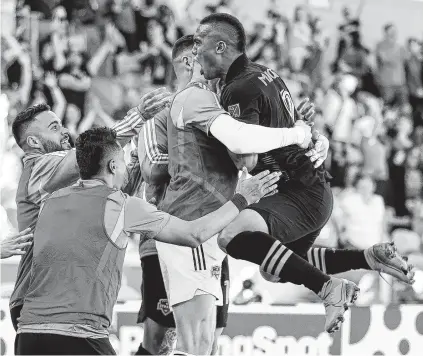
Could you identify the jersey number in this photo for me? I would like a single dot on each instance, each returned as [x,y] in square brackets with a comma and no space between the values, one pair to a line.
[289,104]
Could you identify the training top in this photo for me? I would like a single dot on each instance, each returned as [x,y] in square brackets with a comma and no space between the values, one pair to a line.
[79,247]
[203,176]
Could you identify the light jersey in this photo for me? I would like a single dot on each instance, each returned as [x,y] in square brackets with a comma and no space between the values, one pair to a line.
[80,242]
[153,155]
[203,176]
[43,174]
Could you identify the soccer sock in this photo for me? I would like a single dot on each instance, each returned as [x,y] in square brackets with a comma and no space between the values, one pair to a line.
[276,259]
[142,351]
[332,261]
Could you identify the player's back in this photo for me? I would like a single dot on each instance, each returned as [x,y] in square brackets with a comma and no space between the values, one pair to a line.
[272,107]
[203,176]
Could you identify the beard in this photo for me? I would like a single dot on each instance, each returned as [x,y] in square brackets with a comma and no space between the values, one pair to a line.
[51,146]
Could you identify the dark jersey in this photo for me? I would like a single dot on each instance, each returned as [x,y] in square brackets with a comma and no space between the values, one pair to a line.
[255,94]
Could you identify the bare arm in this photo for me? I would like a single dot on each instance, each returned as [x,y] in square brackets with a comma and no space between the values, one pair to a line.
[69,82]
[99,57]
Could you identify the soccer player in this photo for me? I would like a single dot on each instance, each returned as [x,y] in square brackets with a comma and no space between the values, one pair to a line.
[50,164]
[256,94]
[79,247]
[203,177]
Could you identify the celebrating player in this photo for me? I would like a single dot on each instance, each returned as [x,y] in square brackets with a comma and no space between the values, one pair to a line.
[80,242]
[50,164]
[256,94]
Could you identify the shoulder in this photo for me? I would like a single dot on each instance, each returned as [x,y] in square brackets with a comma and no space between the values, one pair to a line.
[244,87]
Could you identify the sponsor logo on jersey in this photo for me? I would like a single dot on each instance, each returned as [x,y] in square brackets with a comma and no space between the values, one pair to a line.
[163,306]
[289,104]
[215,271]
[234,110]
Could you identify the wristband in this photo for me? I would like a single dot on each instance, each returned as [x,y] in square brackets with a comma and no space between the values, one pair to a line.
[239,201]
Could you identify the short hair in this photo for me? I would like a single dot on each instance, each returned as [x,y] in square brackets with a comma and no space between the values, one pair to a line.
[24,119]
[388,26]
[182,44]
[92,148]
[228,24]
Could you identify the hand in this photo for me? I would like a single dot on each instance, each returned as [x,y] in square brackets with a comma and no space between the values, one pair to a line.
[15,244]
[256,187]
[320,151]
[306,109]
[154,102]
[50,80]
[303,133]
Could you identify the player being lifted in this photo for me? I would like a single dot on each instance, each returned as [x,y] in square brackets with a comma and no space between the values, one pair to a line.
[255,94]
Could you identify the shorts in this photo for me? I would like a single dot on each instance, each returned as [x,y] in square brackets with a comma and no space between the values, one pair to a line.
[15,313]
[188,272]
[155,305]
[297,213]
[54,344]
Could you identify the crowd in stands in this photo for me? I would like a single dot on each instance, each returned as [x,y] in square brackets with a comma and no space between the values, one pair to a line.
[91,60]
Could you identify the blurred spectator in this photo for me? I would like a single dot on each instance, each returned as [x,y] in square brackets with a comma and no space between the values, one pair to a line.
[401,145]
[350,25]
[124,17]
[390,57]
[414,73]
[157,52]
[354,59]
[299,37]
[361,215]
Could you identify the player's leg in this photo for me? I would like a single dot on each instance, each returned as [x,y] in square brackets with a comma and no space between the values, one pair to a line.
[195,324]
[381,257]
[155,313]
[289,216]
[222,310]
[193,287]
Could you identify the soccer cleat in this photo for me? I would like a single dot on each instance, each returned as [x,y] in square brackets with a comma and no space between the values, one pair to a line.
[337,295]
[384,258]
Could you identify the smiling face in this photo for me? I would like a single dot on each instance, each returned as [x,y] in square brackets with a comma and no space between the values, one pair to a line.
[205,52]
[49,132]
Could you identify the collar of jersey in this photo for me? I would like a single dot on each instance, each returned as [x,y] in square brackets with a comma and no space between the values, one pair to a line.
[237,67]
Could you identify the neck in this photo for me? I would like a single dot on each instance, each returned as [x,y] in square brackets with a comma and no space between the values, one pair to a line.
[106,180]
[229,61]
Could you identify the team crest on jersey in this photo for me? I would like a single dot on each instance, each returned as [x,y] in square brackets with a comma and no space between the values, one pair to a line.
[289,104]
[234,110]
[163,306]
[215,271]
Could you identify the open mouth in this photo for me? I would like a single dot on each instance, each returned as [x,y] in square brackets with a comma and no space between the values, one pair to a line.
[65,141]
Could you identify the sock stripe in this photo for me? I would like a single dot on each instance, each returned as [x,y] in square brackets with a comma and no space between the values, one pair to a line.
[282,262]
[277,261]
[310,256]
[274,260]
[268,259]
[323,261]
[316,258]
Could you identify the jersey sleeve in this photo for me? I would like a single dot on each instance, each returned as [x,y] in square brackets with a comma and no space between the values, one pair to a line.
[143,218]
[54,171]
[243,102]
[196,107]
